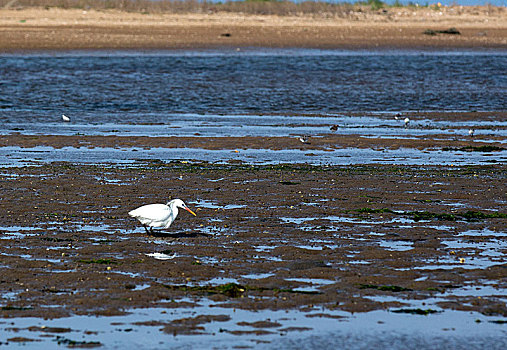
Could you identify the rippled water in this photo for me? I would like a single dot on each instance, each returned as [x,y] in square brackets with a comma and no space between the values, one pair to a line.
[452,329]
[123,87]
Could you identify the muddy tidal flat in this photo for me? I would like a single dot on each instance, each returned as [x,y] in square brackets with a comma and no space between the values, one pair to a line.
[279,254]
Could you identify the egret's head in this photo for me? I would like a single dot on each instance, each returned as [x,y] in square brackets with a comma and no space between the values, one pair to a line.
[180,204]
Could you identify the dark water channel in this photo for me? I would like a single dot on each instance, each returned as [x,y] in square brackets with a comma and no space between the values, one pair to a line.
[122,87]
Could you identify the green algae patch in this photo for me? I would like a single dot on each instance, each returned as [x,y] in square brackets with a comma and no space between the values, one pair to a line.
[234,290]
[467,216]
[231,289]
[384,288]
[426,215]
[416,311]
[99,261]
[375,211]
[479,215]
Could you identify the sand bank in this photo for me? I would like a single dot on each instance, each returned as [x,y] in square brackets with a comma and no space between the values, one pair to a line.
[70,29]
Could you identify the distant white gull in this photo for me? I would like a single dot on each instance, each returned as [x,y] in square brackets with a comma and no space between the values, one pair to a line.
[65,118]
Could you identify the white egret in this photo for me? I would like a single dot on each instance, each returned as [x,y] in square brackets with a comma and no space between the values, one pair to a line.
[65,118]
[159,215]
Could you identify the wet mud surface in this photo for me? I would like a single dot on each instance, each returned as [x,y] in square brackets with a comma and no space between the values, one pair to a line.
[319,142]
[265,237]
[275,249]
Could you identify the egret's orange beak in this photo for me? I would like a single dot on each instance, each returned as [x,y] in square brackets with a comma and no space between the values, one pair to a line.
[190,211]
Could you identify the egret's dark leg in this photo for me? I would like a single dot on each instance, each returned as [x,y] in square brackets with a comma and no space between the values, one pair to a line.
[151,230]
[146,229]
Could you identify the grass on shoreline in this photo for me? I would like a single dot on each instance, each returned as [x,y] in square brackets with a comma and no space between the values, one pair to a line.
[255,7]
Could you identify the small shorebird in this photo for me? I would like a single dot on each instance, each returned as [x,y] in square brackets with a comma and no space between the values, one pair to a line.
[406,121]
[159,215]
[334,127]
[65,118]
[471,132]
[304,139]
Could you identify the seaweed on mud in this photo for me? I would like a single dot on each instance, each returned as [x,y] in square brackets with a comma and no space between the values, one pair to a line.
[77,344]
[230,289]
[415,311]
[49,329]
[451,286]
[99,261]
[54,290]
[233,290]
[470,215]
[486,148]
[441,288]
[369,196]
[288,183]
[197,166]
[371,210]
[19,340]
[428,200]
[56,239]
[384,288]
[15,308]
[426,215]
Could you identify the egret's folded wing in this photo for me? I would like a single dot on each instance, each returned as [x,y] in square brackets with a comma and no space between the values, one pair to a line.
[151,211]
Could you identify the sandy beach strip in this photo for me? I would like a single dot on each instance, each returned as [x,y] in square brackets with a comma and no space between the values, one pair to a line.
[74,29]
